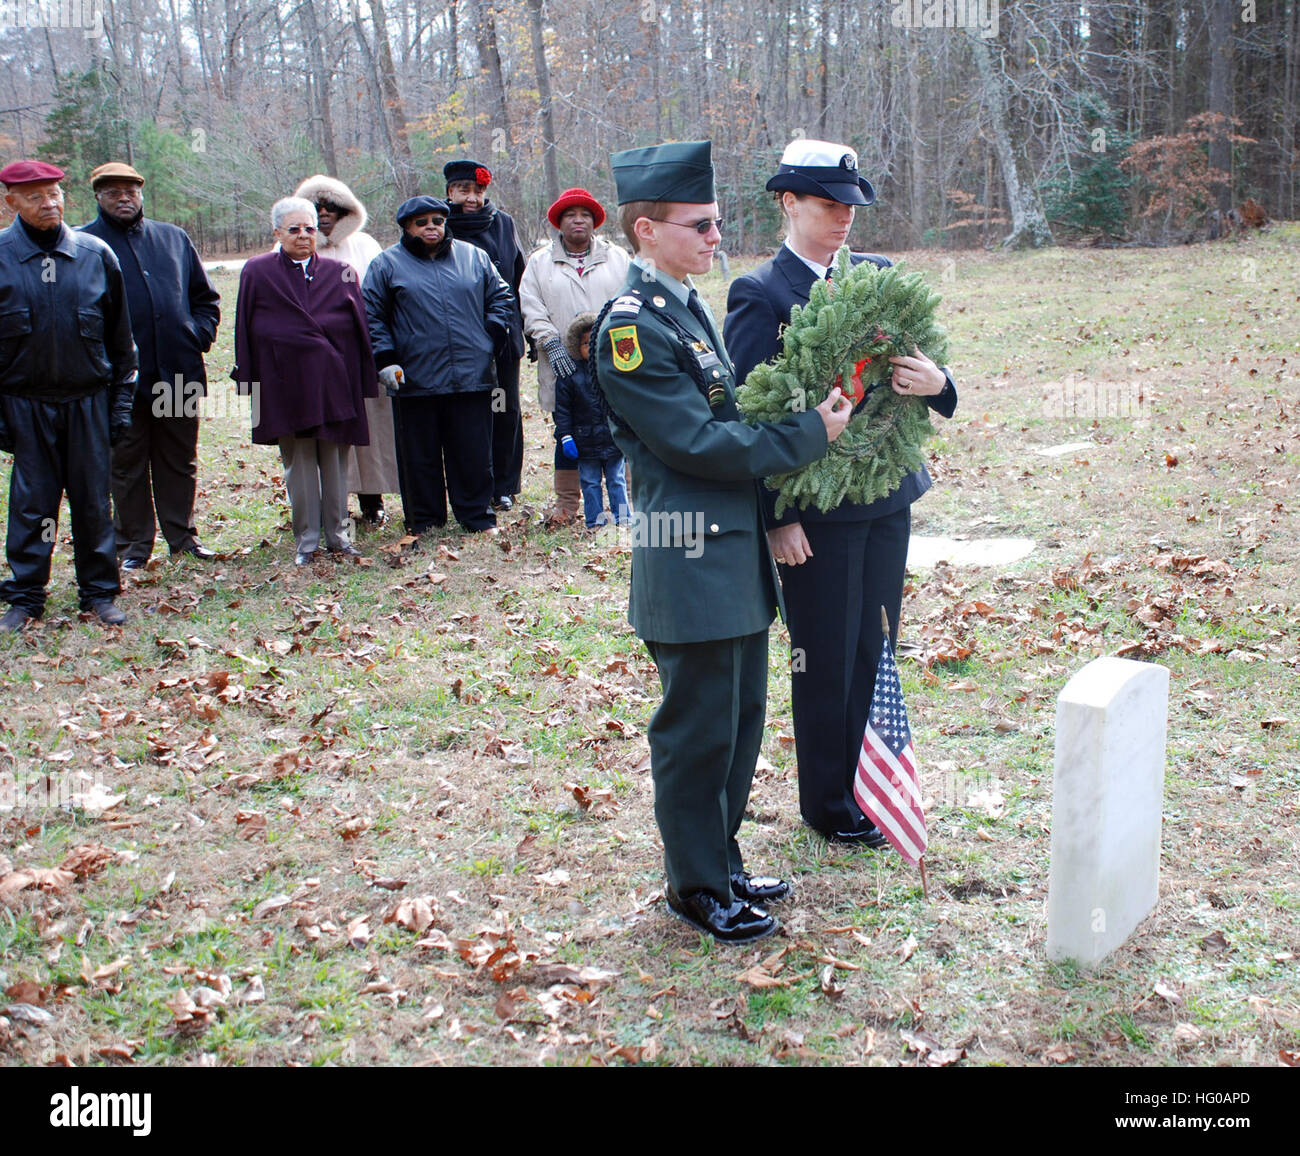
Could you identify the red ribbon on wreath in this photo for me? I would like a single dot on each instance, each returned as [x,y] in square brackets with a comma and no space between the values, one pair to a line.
[858,390]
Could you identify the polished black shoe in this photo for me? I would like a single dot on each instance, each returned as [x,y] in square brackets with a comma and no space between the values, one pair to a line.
[758,888]
[375,517]
[16,619]
[107,612]
[738,923]
[305,558]
[199,551]
[869,836]
[504,502]
[134,563]
[347,550]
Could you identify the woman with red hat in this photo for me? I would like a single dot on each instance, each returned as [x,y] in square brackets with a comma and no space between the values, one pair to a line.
[576,273]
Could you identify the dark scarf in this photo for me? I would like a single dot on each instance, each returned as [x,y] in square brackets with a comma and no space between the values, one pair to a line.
[472,224]
[43,238]
[133,223]
[417,248]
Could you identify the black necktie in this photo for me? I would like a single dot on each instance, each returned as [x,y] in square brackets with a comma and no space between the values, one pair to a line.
[696,306]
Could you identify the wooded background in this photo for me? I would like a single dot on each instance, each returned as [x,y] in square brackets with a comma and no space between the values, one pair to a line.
[1111,121]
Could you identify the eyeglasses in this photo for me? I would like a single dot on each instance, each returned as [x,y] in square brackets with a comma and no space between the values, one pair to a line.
[41,197]
[294,230]
[701,227]
[420,222]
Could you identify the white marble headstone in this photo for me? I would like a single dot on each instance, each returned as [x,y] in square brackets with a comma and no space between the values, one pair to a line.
[1106,801]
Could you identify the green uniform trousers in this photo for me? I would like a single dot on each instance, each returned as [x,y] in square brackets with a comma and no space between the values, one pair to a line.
[704,741]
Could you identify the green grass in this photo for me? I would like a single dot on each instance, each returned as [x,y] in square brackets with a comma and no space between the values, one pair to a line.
[459,712]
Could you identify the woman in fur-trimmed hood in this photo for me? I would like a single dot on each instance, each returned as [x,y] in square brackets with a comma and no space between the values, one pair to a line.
[342,219]
[372,469]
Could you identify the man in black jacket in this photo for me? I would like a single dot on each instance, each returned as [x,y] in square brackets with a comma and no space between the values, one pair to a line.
[174,317]
[474,218]
[67,373]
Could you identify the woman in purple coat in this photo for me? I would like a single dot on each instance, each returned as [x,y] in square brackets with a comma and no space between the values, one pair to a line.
[302,351]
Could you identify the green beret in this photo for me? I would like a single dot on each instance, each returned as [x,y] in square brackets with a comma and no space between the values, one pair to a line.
[668,172]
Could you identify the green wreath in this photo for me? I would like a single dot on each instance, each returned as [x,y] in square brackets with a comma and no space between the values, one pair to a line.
[847,332]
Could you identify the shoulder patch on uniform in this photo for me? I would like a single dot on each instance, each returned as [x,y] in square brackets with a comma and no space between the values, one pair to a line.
[625,347]
[625,306]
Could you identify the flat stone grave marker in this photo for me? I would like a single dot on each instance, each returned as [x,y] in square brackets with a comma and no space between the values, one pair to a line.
[923,552]
[1107,793]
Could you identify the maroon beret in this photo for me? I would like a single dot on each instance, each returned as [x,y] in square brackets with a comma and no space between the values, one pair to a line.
[29,172]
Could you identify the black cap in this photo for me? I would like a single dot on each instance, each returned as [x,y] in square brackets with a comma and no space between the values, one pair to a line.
[417,205]
[822,169]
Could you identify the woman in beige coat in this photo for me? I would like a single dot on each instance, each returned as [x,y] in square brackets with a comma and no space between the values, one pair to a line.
[577,273]
[372,469]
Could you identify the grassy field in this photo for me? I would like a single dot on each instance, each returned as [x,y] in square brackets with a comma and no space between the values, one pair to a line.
[400,812]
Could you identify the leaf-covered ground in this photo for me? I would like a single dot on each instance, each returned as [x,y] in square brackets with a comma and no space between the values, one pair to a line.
[400,812]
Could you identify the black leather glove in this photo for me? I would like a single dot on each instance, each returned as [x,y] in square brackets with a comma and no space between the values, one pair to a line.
[6,437]
[500,337]
[121,403]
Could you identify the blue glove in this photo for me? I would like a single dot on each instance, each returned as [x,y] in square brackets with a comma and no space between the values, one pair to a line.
[569,448]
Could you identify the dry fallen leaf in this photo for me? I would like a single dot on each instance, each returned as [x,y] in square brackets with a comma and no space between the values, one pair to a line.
[358,931]
[250,825]
[87,859]
[1167,993]
[829,987]
[757,977]
[29,1014]
[414,914]
[270,906]
[555,878]
[1215,943]
[44,878]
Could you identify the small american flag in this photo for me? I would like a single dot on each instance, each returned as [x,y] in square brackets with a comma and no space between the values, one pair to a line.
[886,785]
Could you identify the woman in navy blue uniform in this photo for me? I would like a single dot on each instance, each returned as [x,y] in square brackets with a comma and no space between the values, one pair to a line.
[838,568]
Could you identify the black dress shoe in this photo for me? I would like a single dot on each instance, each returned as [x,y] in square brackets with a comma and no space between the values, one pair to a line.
[199,551]
[347,550]
[304,558]
[738,923]
[107,612]
[868,835]
[134,563]
[504,502]
[375,517]
[16,619]
[758,888]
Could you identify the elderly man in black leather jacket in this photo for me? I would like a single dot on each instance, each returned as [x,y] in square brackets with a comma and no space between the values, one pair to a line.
[174,316]
[67,375]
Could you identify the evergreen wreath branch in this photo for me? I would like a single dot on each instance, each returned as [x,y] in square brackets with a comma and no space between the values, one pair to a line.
[847,332]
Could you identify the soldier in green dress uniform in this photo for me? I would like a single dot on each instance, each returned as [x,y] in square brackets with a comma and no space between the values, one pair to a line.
[703,586]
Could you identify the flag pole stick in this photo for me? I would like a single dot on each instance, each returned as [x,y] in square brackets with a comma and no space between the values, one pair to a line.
[925,877]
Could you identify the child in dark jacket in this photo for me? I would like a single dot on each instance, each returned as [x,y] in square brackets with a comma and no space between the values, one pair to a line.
[583,432]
